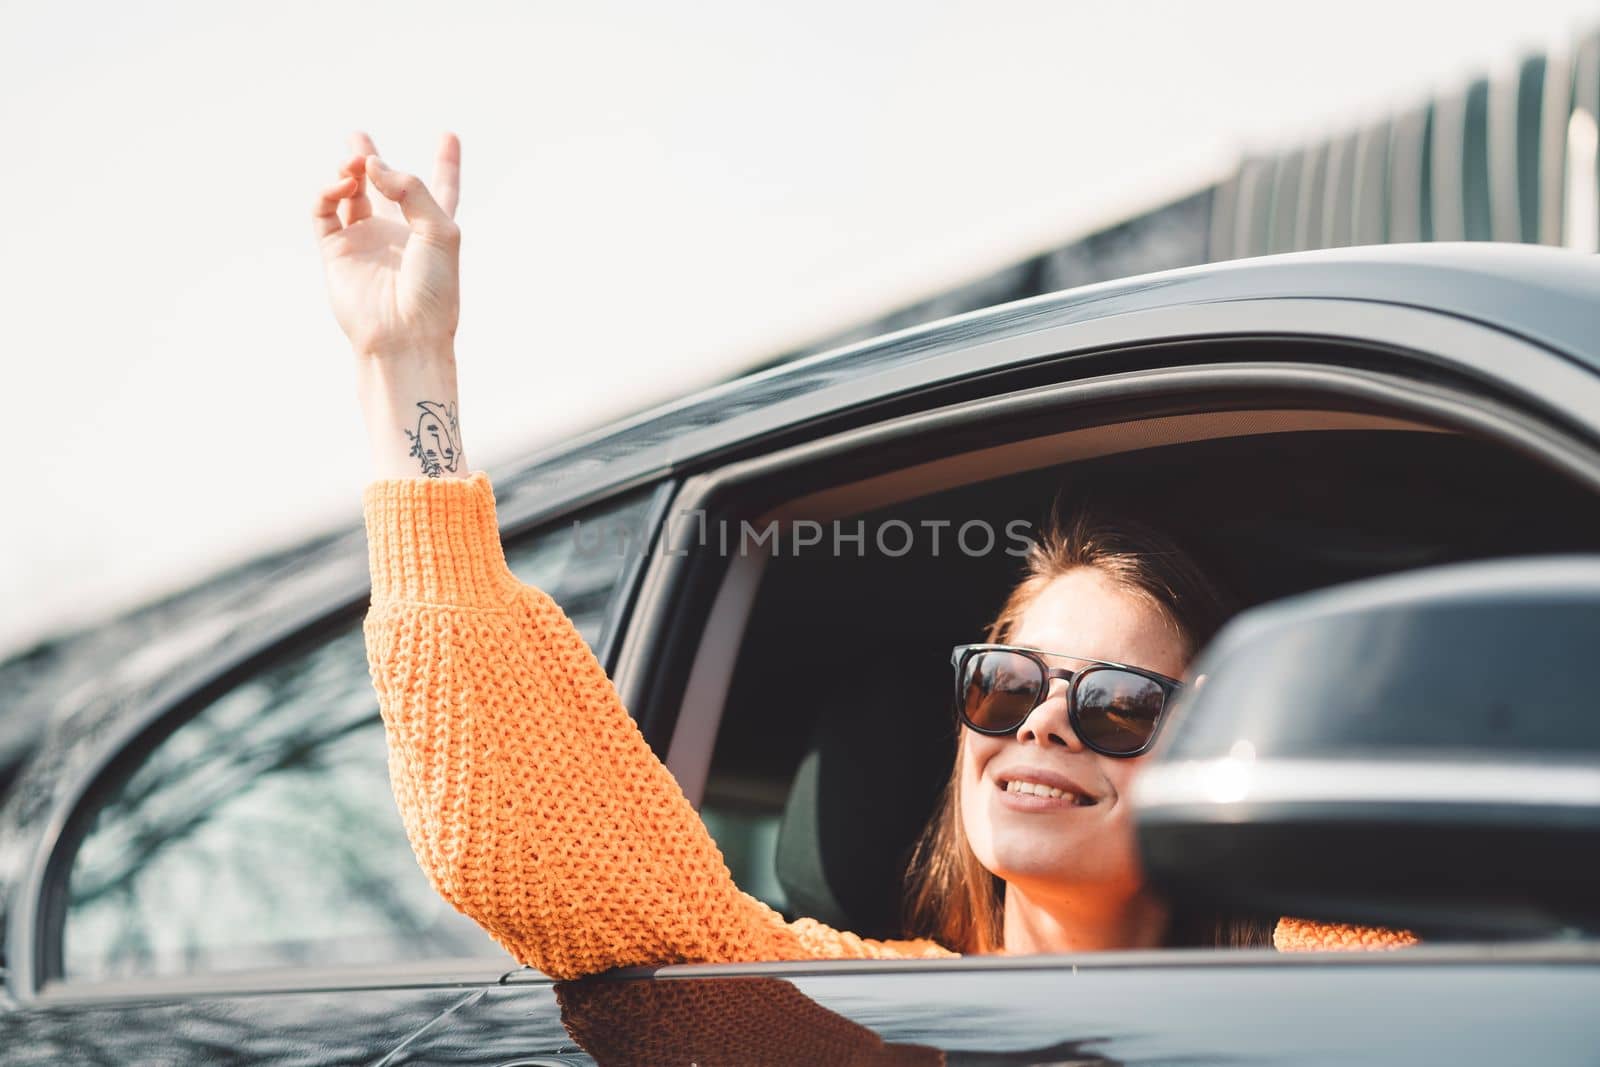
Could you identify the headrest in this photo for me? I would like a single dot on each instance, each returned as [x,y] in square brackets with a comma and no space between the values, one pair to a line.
[867,785]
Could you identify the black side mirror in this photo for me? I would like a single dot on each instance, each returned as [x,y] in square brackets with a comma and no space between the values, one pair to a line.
[1419,750]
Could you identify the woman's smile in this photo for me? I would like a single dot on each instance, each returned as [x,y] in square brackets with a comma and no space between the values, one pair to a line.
[1034,789]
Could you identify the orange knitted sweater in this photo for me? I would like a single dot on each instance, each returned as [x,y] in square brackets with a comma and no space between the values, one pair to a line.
[529,796]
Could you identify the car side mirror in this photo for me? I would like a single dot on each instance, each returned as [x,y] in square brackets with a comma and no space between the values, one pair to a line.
[1419,750]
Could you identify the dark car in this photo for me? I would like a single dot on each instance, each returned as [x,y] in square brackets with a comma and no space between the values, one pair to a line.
[1389,456]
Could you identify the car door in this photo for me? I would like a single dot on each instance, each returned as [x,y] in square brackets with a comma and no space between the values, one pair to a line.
[232,882]
[1093,1009]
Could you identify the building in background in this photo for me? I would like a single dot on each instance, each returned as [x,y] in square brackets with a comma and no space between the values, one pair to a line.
[1512,158]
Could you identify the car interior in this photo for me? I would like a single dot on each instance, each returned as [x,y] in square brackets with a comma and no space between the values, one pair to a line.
[832,721]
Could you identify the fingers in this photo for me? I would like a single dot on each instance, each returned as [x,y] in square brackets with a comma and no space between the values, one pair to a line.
[362,145]
[359,205]
[422,212]
[325,216]
[447,174]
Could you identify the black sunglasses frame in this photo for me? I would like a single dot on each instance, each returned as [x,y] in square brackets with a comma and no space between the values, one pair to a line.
[959,656]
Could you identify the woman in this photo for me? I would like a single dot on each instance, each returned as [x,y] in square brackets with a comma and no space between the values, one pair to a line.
[529,796]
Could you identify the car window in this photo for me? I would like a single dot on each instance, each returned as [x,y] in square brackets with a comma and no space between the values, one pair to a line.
[262,832]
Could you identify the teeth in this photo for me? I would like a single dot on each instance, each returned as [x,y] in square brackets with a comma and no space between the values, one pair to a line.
[1033,789]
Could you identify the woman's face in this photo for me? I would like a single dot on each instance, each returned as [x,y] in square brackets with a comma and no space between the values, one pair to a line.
[1055,846]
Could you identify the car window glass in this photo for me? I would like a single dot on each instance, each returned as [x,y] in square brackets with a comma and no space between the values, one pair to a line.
[262,831]
[580,560]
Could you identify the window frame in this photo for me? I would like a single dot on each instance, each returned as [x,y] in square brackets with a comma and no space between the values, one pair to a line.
[35,925]
[1551,388]
[688,682]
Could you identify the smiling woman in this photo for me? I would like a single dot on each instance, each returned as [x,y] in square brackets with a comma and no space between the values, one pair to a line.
[533,802]
[1032,847]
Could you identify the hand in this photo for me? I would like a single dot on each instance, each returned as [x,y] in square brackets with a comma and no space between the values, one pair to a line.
[394,282]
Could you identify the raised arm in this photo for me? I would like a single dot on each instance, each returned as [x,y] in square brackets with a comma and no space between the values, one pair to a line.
[528,794]
[394,280]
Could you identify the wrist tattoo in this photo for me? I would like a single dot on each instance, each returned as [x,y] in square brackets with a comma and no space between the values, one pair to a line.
[436,442]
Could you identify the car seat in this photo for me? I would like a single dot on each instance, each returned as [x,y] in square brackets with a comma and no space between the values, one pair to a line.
[872,772]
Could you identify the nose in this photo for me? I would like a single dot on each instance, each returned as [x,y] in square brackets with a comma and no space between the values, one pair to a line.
[1048,723]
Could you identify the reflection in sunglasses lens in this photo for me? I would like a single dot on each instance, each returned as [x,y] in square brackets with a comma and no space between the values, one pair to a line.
[1117,711]
[999,689]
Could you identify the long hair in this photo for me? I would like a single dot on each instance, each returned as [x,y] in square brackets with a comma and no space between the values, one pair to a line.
[951,896]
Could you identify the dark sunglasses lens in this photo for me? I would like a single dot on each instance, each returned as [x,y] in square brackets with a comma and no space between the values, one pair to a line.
[1118,711]
[998,689]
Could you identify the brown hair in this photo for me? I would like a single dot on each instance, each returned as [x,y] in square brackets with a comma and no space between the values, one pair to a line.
[951,896]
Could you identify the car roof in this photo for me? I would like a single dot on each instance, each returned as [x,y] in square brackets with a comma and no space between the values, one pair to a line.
[1545,295]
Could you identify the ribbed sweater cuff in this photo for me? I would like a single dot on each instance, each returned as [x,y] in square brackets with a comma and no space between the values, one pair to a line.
[1306,935]
[436,540]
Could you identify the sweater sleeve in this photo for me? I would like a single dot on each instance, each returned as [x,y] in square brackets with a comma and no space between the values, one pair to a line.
[750,1021]
[528,794]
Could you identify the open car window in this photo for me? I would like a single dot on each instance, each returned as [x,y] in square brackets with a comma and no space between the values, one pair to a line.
[261,831]
[837,736]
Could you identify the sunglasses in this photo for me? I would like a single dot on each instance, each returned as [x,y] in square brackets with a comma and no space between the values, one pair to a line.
[1114,709]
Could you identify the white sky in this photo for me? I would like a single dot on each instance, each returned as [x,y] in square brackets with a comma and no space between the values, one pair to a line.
[653,195]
